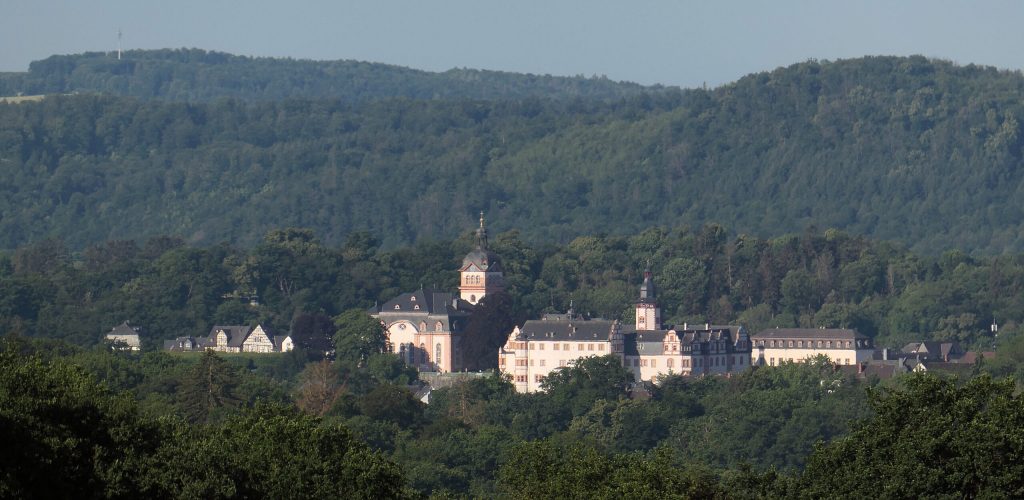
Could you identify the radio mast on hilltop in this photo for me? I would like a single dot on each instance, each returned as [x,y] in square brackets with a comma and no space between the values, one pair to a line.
[118,44]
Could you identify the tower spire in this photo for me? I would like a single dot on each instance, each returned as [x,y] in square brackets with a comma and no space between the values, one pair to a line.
[481,234]
[648,314]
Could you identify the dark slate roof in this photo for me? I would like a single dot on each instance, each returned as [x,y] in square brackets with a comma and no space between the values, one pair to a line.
[883,371]
[571,330]
[647,291]
[483,259]
[809,333]
[124,329]
[971,356]
[932,349]
[653,340]
[963,370]
[236,334]
[430,301]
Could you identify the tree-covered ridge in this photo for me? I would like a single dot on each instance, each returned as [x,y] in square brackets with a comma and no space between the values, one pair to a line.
[199,75]
[906,149]
[291,281]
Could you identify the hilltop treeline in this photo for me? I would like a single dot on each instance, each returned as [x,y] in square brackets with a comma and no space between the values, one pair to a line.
[199,75]
[829,279]
[905,149]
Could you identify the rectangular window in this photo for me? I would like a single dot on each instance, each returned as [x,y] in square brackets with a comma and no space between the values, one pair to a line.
[654,363]
[531,362]
[579,347]
[600,347]
[771,362]
[557,345]
[541,347]
[542,362]
[531,347]
[643,362]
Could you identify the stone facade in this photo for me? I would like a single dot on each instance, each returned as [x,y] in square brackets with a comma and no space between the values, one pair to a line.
[425,328]
[842,346]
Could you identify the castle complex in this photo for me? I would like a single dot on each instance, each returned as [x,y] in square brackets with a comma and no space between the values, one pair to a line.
[647,349]
[426,328]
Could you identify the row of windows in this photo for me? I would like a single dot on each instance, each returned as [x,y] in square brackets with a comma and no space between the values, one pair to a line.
[472,280]
[685,363]
[565,347]
[771,361]
[438,327]
[827,344]
[411,355]
[523,379]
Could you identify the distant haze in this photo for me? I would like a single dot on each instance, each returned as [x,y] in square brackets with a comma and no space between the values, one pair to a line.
[668,42]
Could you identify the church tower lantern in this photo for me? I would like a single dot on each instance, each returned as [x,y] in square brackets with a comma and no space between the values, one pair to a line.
[481,272]
[648,314]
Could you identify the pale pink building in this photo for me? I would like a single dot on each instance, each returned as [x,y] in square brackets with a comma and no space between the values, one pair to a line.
[425,327]
[648,350]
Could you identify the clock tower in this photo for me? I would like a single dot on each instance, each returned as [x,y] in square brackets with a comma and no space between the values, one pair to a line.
[481,270]
[648,314]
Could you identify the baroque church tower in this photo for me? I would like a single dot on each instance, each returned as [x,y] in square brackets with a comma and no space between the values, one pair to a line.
[481,270]
[648,314]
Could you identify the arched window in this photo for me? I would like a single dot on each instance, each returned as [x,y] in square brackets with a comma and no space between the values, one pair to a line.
[438,327]
[423,353]
[472,299]
[437,356]
[423,326]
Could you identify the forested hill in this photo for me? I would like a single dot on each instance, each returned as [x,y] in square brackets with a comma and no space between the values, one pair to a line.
[907,149]
[198,75]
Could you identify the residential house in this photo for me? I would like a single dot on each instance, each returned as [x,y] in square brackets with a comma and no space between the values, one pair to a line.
[124,337]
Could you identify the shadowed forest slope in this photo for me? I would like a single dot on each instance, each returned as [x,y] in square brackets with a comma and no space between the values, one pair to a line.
[908,149]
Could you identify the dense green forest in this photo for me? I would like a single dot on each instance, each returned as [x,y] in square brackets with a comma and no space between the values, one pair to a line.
[912,150]
[115,424]
[199,75]
[293,281]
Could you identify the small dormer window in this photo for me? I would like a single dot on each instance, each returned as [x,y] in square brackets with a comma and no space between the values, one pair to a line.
[416,307]
[397,307]
[412,299]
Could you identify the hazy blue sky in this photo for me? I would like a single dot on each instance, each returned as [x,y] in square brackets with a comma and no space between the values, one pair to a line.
[671,42]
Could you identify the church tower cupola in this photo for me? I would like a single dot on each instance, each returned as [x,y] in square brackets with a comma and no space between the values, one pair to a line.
[648,314]
[481,270]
